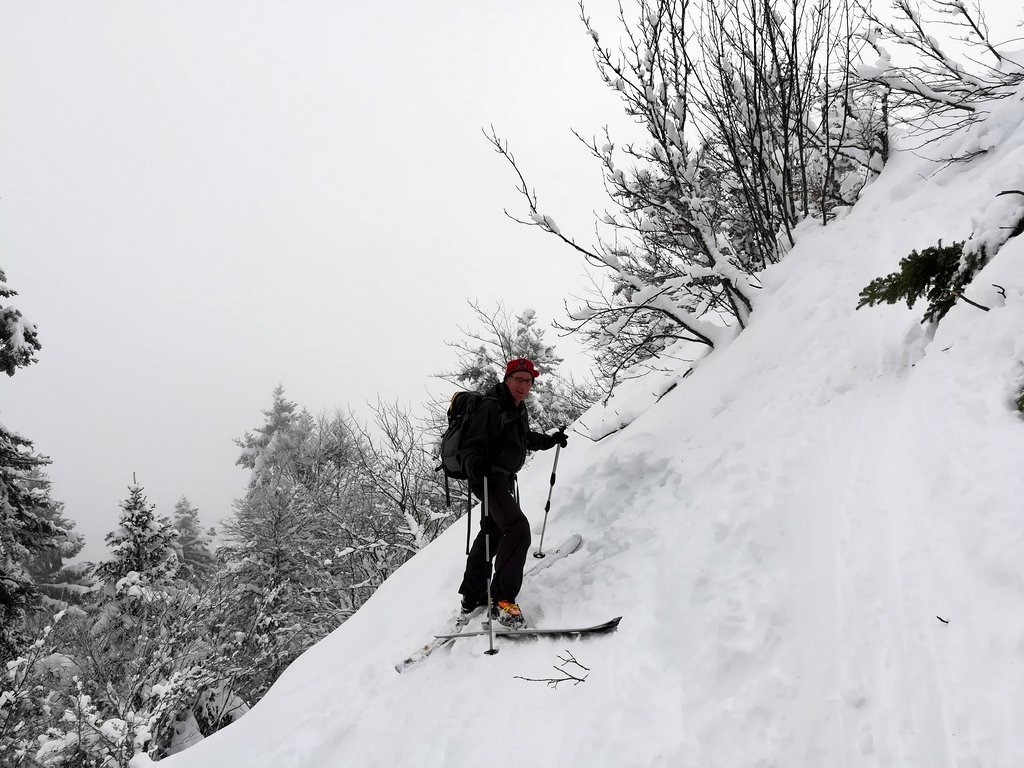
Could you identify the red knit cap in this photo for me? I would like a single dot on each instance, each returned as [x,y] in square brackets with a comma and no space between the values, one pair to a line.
[521,364]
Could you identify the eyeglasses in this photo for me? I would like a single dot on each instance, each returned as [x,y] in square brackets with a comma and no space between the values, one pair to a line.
[520,380]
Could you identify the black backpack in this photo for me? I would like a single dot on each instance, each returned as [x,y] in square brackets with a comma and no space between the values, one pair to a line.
[460,412]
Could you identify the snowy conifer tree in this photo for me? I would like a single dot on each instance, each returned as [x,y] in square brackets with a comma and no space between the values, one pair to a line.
[19,339]
[273,447]
[150,650]
[144,561]
[196,556]
[280,542]
[140,635]
[25,529]
[60,584]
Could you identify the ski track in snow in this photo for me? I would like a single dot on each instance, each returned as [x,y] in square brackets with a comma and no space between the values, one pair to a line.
[815,541]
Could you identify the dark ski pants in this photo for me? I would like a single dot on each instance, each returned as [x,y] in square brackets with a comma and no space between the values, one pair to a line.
[510,542]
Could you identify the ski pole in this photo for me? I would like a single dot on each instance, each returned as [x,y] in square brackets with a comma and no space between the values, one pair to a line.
[487,553]
[547,507]
[469,515]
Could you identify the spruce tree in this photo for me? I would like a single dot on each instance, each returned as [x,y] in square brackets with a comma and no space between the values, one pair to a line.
[60,584]
[19,340]
[280,435]
[143,647]
[197,558]
[143,552]
[137,586]
[278,547]
[25,529]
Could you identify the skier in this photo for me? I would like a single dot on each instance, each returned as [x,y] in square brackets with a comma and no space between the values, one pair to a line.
[495,442]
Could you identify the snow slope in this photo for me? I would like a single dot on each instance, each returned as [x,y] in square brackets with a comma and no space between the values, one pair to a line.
[815,541]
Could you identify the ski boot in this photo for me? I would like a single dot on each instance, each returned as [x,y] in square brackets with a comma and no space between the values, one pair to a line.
[508,614]
[469,604]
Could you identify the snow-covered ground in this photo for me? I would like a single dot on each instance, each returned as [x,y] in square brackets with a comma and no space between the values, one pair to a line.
[815,540]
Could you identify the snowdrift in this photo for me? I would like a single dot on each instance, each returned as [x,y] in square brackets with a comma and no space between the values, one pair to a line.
[815,541]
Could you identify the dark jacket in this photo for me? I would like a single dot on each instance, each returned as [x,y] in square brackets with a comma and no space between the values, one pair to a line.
[497,438]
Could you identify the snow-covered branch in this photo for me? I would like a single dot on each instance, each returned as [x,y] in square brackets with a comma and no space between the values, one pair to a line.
[936,81]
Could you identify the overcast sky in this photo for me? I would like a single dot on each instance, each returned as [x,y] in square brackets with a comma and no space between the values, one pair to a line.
[201,200]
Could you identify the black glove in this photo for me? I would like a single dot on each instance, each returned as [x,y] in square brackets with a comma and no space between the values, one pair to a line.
[559,438]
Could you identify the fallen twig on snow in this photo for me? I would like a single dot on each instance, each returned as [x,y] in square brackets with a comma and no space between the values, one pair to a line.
[552,682]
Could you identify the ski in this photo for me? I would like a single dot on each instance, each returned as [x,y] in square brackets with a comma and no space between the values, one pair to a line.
[566,548]
[421,653]
[607,626]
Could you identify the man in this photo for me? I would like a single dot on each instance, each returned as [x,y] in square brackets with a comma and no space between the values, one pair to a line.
[495,444]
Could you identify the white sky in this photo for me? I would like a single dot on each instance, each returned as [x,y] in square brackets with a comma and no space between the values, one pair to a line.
[201,200]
